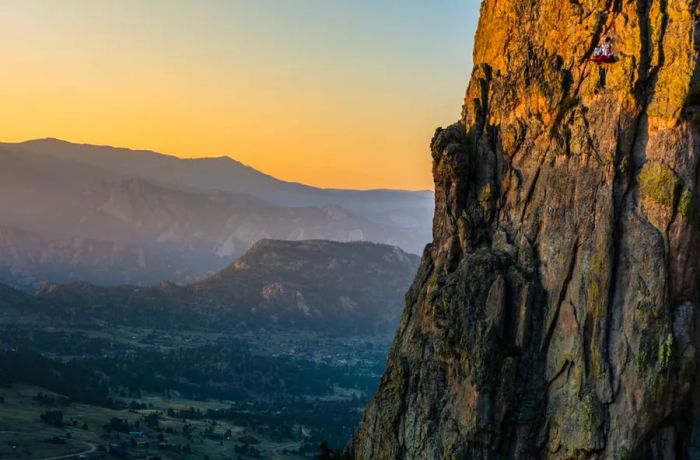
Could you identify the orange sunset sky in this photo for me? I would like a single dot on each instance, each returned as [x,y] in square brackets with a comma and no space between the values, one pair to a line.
[330,93]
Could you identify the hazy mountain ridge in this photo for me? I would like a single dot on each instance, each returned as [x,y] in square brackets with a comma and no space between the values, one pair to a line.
[346,287]
[185,218]
[29,259]
[219,173]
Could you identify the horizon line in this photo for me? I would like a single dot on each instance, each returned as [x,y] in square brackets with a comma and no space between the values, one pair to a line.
[216,157]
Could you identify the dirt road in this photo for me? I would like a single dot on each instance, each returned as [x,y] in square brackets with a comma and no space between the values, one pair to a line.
[92,449]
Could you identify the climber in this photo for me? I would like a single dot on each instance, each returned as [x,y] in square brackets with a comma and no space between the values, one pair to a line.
[604,53]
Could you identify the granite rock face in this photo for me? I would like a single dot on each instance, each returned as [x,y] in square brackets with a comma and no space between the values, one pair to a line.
[555,314]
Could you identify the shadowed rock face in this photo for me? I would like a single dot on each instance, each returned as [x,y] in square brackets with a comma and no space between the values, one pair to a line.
[555,313]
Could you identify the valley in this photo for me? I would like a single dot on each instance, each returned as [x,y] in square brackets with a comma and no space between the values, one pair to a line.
[163,308]
[193,393]
[268,358]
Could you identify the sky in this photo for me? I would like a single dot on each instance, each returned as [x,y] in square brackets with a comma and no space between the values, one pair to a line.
[332,93]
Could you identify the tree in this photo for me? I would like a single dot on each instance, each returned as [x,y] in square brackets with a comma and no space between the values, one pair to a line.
[53,418]
[325,452]
[118,425]
[151,420]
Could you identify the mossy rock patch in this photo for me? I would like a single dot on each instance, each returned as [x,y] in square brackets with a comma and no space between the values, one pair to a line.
[658,183]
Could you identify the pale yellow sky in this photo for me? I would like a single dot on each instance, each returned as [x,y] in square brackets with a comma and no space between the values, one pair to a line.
[328,93]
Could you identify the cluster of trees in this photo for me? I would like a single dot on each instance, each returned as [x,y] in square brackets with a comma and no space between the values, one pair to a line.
[270,393]
[219,372]
[323,451]
[46,400]
[72,343]
[332,421]
[150,420]
[118,425]
[135,405]
[324,455]
[55,440]
[53,418]
[224,371]
[74,380]
[248,450]
[191,413]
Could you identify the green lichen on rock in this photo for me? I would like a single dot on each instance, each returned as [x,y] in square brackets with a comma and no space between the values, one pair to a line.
[658,182]
[688,207]
[685,203]
[433,282]
[665,351]
[599,265]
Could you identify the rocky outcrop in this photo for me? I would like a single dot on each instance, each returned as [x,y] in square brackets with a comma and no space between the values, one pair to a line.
[555,312]
[341,288]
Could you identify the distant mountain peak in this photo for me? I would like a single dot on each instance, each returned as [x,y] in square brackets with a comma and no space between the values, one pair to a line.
[288,255]
[354,287]
[181,218]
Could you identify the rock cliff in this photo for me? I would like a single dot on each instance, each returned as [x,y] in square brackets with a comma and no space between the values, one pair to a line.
[555,314]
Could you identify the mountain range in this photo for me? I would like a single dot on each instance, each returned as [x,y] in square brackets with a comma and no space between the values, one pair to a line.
[350,288]
[110,215]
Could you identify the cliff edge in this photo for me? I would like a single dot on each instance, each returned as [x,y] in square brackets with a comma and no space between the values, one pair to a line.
[555,313]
